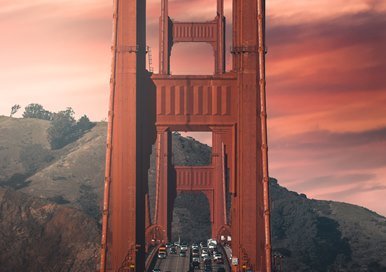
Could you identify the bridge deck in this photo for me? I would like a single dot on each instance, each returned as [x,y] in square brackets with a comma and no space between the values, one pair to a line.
[175,263]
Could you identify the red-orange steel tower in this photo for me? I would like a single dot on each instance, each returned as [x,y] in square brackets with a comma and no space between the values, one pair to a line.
[146,107]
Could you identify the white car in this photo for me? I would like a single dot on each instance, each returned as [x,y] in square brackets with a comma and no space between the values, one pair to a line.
[183,246]
[217,256]
[195,246]
[161,255]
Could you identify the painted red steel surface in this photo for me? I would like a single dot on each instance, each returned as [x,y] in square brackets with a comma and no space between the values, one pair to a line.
[194,178]
[147,109]
[195,102]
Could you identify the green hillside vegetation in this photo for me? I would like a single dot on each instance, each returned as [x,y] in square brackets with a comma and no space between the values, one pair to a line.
[312,235]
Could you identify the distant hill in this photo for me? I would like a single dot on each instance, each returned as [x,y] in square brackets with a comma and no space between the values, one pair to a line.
[312,235]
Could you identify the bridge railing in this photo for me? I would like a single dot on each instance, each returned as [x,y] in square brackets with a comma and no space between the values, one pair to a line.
[227,257]
[151,258]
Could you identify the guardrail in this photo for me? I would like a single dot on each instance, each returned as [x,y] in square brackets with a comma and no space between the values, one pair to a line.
[151,257]
[227,261]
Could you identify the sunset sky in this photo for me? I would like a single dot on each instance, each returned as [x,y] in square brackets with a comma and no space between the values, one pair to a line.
[326,73]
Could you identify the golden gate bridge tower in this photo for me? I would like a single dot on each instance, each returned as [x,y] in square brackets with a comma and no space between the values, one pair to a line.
[146,107]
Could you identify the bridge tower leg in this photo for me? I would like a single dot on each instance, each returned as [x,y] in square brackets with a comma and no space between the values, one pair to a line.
[219,194]
[165,186]
[123,238]
[250,211]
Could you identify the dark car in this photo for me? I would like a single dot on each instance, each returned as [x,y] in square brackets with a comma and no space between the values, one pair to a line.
[208,268]
[169,245]
[173,250]
[182,253]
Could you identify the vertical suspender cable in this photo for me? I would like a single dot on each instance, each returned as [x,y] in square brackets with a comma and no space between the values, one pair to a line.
[158,176]
[106,200]
[263,119]
[223,180]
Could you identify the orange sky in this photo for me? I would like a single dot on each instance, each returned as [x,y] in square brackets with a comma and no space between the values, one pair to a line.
[326,80]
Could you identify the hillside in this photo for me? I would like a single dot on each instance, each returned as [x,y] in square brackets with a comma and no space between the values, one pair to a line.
[312,235]
[38,235]
[316,235]
[17,137]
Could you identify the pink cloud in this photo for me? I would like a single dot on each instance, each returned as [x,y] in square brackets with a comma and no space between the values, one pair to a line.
[326,83]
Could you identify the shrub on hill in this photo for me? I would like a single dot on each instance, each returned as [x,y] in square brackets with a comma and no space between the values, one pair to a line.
[64,129]
[37,111]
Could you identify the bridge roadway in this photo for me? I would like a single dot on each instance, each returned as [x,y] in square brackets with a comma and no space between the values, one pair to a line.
[175,263]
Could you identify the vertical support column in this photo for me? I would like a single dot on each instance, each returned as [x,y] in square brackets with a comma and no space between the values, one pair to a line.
[219,201]
[125,194]
[235,33]
[249,225]
[220,43]
[264,136]
[164,39]
[164,186]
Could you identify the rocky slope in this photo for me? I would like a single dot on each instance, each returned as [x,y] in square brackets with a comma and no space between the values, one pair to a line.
[38,235]
[311,235]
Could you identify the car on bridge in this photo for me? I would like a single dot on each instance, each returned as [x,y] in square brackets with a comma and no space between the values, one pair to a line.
[182,253]
[169,245]
[204,253]
[161,255]
[162,252]
[195,262]
[216,256]
[208,267]
[173,250]
[212,244]
[156,270]
[184,246]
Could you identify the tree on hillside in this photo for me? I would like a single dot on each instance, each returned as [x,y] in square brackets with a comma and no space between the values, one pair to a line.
[61,132]
[64,129]
[84,123]
[14,109]
[37,111]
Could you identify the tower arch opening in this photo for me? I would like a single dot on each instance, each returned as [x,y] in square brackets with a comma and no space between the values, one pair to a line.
[192,59]
[191,217]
